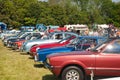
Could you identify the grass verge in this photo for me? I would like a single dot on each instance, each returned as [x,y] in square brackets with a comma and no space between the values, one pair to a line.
[15,66]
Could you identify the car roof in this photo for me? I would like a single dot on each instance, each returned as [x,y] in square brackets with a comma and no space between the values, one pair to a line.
[95,37]
[64,32]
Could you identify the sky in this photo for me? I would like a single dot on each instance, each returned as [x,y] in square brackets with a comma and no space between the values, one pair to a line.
[43,0]
[115,0]
[112,0]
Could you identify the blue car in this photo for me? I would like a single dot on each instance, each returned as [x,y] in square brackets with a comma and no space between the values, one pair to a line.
[79,44]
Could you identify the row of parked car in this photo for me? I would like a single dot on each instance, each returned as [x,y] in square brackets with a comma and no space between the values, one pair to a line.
[68,55]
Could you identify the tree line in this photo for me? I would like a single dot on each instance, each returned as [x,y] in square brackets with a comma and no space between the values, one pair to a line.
[17,13]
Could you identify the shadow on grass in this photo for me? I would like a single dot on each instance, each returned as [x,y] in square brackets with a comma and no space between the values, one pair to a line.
[52,77]
[16,50]
[49,77]
[106,77]
[39,66]
[23,53]
[13,50]
[31,57]
[9,48]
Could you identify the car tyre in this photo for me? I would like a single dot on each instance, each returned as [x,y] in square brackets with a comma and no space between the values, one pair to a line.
[72,73]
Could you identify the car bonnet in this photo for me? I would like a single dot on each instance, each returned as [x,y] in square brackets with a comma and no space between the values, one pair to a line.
[71,53]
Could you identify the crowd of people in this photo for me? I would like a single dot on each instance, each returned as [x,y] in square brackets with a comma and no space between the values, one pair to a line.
[111,31]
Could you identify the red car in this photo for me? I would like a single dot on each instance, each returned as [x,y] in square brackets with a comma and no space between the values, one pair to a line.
[18,44]
[51,45]
[103,60]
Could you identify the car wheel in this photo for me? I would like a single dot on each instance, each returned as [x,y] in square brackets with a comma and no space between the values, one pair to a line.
[72,73]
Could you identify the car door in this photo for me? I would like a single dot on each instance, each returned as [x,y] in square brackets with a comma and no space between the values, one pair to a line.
[108,61]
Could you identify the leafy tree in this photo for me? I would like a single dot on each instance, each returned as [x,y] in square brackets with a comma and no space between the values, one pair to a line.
[59,12]
[116,14]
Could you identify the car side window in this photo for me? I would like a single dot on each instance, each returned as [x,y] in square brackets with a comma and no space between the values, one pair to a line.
[51,36]
[113,48]
[67,35]
[58,36]
[88,43]
[26,35]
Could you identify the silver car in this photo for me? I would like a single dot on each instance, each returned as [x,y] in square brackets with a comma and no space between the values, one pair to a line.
[51,38]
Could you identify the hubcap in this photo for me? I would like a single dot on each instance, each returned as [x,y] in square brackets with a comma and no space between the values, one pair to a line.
[72,75]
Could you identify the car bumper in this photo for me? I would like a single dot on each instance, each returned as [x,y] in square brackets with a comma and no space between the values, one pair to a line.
[24,49]
[54,69]
[14,46]
[5,43]
[9,45]
[48,66]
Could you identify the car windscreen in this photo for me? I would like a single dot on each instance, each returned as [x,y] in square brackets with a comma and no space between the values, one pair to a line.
[71,38]
[101,44]
[24,35]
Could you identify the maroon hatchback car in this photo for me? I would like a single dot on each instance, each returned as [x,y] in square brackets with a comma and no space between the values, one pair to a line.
[103,60]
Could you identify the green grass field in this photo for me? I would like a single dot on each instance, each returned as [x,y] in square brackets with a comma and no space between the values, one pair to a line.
[17,66]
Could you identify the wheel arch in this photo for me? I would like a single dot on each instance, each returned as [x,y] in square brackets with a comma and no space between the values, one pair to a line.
[31,47]
[34,45]
[79,66]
